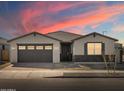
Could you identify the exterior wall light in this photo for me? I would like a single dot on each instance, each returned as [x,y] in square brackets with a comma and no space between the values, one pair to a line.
[13,48]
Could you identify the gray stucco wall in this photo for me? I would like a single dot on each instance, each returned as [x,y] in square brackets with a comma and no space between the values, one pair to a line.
[78,45]
[31,39]
[3,41]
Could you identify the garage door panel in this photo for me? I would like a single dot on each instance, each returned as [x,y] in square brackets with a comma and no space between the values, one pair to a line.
[26,56]
[47,55]
[44,56]
[35,55]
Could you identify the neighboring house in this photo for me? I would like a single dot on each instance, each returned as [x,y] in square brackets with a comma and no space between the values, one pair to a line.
[123,54]
[4,50]
[61,46]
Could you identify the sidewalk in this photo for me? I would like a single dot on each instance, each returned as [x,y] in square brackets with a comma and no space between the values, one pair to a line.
[37,74]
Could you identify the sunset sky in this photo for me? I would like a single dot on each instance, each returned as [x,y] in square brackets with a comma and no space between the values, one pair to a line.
[18,18]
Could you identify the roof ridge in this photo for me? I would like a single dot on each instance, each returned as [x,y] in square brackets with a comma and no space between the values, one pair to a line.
[65,32]
[95,33]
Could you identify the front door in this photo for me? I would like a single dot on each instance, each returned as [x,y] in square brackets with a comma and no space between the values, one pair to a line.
[66,54]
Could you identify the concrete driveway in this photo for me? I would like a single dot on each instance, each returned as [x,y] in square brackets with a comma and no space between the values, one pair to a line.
[38,71]
[24,72]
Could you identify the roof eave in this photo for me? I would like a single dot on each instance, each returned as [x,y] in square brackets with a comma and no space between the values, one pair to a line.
[95,33]
[32,33]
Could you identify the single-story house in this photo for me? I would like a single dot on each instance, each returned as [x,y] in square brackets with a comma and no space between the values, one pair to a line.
[4,50]
[61,46]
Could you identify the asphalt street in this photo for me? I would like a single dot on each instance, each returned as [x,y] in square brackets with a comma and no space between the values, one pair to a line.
[63,84]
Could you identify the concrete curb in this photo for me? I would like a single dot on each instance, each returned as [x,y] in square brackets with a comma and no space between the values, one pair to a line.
[4,65]
[91,75]
[56,74]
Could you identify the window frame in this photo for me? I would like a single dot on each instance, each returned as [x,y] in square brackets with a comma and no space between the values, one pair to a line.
[29,46]
[39,46]
[22,46]
[47,46]
[102,47]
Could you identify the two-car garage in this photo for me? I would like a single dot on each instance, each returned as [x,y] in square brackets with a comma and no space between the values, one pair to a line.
[34,47]
[35,52]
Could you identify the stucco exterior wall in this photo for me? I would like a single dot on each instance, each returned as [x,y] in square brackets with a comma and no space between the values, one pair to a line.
[78,45]
[3,41]
[31,39]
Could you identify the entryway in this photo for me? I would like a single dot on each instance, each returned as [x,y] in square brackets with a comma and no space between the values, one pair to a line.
[66,54]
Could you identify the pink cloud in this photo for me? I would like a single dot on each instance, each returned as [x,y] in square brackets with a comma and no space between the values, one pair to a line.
[59,6]
[38,9]
[95,26]
[92,18]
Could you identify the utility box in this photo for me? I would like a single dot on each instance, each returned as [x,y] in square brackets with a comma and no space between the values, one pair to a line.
[118,53]
[123,54]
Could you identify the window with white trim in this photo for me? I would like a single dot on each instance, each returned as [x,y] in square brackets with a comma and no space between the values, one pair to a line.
[39,47]
[30,47]
[48,47]
[94,48]
[22,47]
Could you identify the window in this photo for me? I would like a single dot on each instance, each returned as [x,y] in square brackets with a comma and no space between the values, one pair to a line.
[30,47]
[48,47]
[94,48]
[22,47]
[39,47]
